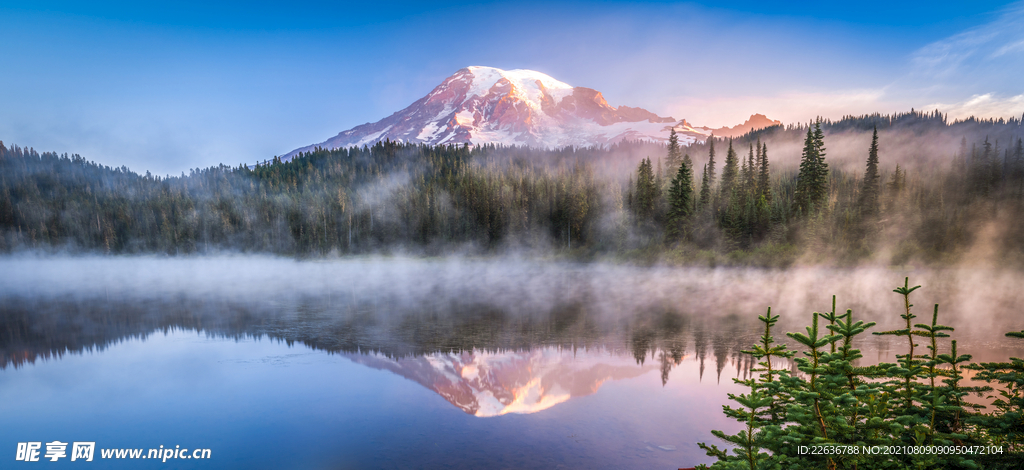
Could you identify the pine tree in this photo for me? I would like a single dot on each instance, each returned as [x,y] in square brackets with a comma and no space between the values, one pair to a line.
[805,178]
[1007,424]
[812,181]
[750,169]
[961,160]
[659,174]
[744,173]
[730,173]
[763,184]
[711,162]
[868,202]
[835,402]
[674,154]
[646,189]
[822,167]
[630,197]
[976,174]
[680,198]
[705,188]
[762,411]
[897,181]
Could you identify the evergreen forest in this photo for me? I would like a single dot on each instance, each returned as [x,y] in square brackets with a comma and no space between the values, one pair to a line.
[772,197]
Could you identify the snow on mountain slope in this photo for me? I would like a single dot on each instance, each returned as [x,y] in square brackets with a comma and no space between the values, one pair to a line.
[479,105]
[486,384]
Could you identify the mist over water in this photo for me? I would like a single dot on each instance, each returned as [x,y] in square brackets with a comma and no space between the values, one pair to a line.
[406,306]
[975,300]
[602,365]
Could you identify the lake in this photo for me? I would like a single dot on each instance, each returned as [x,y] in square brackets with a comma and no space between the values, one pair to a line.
[421,363]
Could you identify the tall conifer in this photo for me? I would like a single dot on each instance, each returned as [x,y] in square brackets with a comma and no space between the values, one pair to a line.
[705,188]
[763,182]
[868,202]
[674,154]
[730,173]
[711,162]
[812,181]
[646,189]
[749,181]
[680,200]
[822,167]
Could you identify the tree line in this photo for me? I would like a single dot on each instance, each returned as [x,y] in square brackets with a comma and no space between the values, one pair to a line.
[754,214]
[400,196]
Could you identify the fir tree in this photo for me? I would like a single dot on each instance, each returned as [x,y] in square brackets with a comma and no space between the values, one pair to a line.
[868,199]
[834,402]
[763,184]
[744,173]
[1007,425]
[762,409]
[680,198]
[822,167]
[711,162]
[730,173]
[961,160]
[750,169]
[705,188]
[674,154]
[812,181]
[897,181]
[805,179]
[646,189]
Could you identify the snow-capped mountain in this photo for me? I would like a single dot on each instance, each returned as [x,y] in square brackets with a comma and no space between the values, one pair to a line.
[488,384]
[480,105]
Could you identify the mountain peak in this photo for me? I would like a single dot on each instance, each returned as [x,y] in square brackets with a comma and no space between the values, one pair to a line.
[480,105]
[755,122]
[521,78]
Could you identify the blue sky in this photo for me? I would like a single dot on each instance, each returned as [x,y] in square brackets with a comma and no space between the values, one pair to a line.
[192,84]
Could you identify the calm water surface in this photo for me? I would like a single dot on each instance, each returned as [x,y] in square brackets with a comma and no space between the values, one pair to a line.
[392,363]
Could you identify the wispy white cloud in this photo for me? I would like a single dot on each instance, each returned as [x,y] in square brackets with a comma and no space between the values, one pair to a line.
[1013,47]
[976,72]
[987,105]
[948,56]
[981,61]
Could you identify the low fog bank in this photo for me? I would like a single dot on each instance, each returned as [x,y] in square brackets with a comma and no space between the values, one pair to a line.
[974,300]
[402,307]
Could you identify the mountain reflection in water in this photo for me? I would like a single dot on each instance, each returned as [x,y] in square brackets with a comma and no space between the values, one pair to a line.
[488,384]
[431,312]
[579,366]
[481,358]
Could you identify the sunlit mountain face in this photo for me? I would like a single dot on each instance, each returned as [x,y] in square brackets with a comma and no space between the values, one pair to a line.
[487,105]
[486,384]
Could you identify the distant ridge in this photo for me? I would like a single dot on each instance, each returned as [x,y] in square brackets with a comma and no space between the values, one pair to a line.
[755,122]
